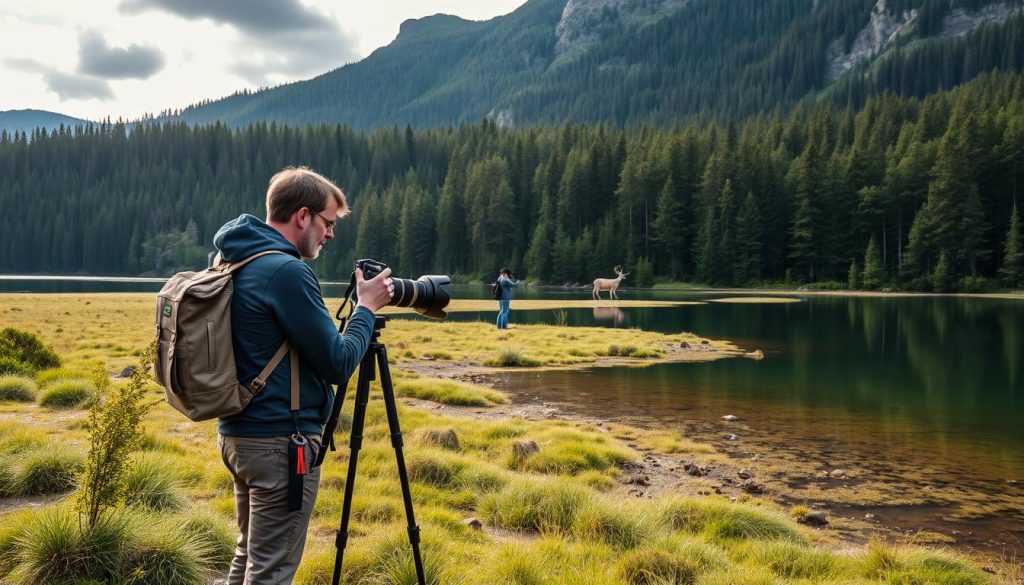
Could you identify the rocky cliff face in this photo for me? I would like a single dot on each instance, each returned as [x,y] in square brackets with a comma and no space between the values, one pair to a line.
[880,31]
[959,21]
[584,21]
[884,28]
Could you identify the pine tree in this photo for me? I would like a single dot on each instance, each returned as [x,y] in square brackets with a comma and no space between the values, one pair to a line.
[943,277]
[1012,270]
[747,264]
[874,271]
[853,277]
[669,229]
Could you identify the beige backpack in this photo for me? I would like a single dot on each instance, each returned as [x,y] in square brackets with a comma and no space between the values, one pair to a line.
[195,361]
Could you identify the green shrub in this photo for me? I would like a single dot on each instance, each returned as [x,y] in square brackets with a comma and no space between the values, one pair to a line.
[67,394]
[11,366]
[154,483]
[17,388]
[26,348]
[656,567]
[50,471]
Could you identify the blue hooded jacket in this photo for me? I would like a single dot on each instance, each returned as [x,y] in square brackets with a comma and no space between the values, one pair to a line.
[277,297]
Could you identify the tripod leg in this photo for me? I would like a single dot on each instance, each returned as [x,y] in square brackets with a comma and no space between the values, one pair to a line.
[403,476]
[366,373]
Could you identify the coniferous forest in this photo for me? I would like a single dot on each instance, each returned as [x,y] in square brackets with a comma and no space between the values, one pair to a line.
[904,192]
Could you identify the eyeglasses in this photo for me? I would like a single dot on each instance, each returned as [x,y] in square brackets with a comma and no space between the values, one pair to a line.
[328,223]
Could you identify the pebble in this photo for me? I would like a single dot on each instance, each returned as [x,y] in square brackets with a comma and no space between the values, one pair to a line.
[730,417]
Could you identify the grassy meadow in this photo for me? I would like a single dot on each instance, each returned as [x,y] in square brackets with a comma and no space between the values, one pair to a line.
[556,516]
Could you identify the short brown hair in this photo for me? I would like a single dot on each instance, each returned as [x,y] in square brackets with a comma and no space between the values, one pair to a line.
[293,188]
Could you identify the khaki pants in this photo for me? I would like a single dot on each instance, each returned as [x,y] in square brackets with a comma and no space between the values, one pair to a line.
[271,538]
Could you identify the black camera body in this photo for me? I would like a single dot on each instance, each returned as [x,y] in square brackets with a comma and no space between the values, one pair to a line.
[428,295]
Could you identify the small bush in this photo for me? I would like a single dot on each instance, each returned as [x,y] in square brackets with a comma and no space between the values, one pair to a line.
[656,567]
[11,366]
[67,394]
[17,388]
[26,348]
[51,471]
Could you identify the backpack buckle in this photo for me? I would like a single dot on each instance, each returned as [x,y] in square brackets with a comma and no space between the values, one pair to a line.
[257,385]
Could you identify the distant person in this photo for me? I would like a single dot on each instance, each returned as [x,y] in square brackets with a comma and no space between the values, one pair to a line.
[269,448]
[506,282]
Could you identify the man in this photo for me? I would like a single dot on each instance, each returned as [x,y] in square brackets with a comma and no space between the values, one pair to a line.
[277,298]
[506,282]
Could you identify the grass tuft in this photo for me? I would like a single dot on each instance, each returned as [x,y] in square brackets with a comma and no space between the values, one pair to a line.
[154,483]
[449,392]
[538,506]
[619,526]
[719,519]
[445,439]
[14,388]
[656,567]
[512,357]
[50,471]
[67,394]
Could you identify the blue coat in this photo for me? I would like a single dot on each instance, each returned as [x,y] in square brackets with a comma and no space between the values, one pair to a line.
[507,284]
[277,297]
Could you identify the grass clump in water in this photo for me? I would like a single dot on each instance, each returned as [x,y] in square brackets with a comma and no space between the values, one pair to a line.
[67,394]
[14,388]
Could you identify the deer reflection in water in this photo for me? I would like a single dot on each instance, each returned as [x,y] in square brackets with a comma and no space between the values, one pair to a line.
[613,314]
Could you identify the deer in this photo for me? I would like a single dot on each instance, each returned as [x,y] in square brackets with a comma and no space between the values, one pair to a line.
[609,284]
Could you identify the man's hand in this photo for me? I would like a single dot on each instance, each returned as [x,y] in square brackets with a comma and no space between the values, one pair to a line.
[376,292]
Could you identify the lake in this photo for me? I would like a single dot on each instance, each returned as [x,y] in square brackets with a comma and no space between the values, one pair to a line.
[922,389]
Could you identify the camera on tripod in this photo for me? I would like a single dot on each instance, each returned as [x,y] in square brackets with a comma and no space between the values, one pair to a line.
[427,295]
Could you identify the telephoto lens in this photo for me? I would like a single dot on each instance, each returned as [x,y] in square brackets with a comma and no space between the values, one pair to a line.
[427,295]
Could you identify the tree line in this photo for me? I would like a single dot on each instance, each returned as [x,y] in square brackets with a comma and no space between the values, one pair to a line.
[911,193]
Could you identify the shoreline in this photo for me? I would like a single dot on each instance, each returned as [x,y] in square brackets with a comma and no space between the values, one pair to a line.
[909,510]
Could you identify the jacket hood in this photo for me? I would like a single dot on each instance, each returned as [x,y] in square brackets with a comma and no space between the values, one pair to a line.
[247,235]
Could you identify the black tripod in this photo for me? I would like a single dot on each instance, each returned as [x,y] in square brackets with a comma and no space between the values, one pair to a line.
[367,372]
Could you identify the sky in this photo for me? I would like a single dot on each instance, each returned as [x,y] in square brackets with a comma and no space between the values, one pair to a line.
[125,58]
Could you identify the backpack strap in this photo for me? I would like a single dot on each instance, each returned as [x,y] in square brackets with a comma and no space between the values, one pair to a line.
[260,381]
